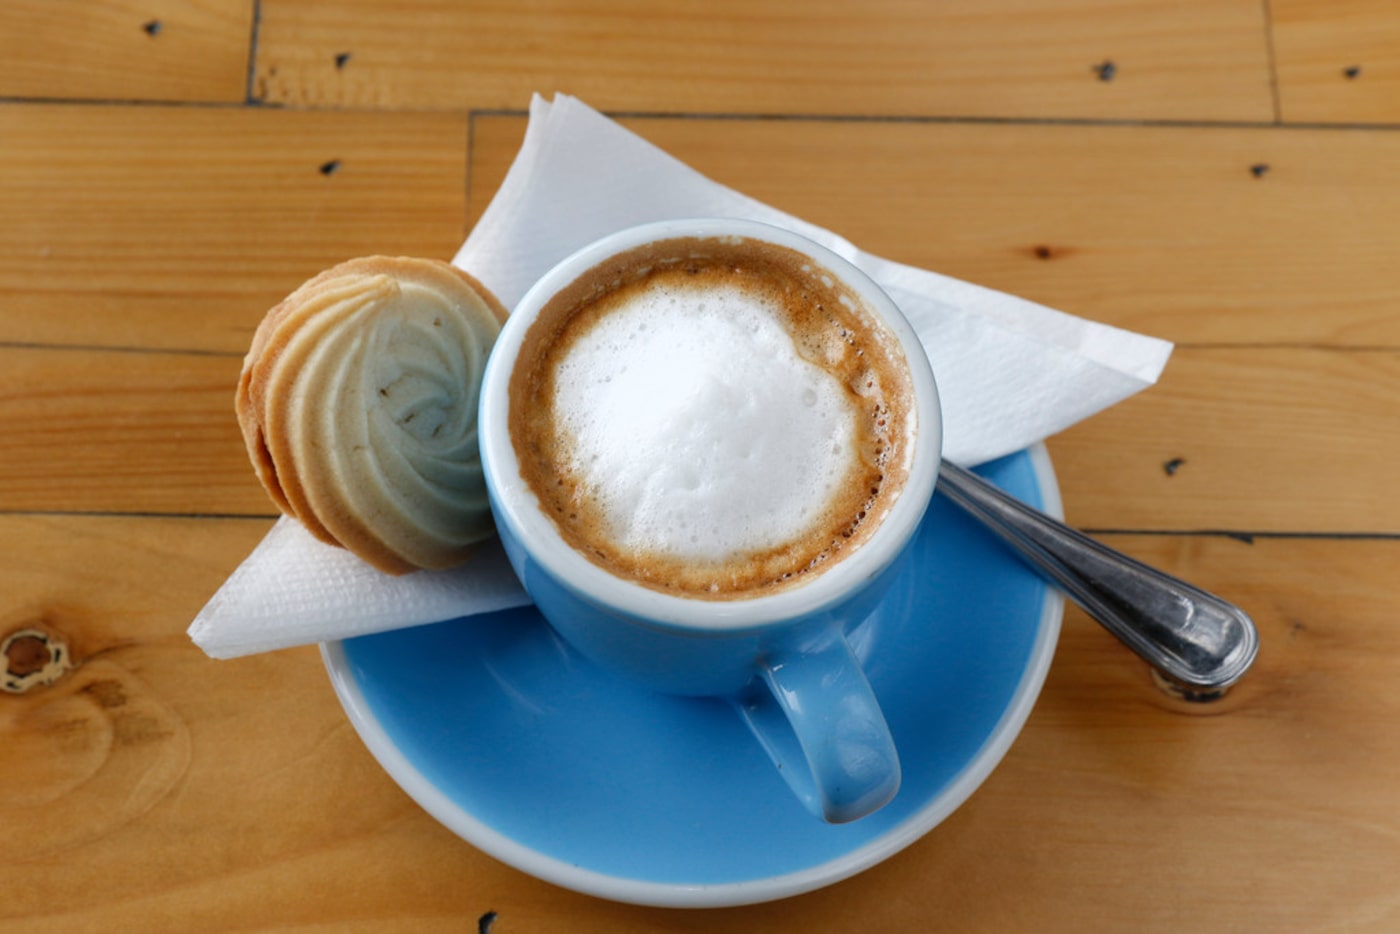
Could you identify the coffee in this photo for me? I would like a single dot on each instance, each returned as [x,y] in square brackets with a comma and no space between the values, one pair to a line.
[717,418]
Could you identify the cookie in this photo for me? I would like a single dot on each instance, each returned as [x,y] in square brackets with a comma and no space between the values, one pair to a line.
[357,403]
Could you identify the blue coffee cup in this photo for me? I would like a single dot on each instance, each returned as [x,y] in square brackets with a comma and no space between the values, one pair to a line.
[783,659]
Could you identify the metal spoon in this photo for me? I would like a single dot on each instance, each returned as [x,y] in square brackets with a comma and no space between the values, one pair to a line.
[1196,642]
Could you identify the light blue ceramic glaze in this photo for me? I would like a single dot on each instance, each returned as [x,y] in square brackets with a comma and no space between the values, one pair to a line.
[532,753]
[795,680]
[822,726]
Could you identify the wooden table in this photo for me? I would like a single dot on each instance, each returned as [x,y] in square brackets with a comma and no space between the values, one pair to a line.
[1221,173]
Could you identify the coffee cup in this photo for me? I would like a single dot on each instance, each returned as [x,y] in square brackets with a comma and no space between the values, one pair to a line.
[707,445]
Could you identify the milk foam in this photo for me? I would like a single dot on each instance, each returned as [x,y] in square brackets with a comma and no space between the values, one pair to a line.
[697,427]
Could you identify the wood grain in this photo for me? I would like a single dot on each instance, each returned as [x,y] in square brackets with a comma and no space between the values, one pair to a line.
[270,812]
[1160,230]
[95,431]
[126,50]
[1191,60]
[1264,441]
[1338,61]
[123,235]
[178,227]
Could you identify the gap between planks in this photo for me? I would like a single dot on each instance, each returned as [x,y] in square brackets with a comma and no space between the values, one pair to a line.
[472,113]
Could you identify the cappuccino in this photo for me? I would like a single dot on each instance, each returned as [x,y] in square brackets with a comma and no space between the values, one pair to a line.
[715,418]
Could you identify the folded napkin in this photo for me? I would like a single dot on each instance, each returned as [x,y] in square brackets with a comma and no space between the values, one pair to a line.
[1010,372]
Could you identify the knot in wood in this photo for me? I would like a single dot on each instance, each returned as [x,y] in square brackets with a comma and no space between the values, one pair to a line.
[30,658]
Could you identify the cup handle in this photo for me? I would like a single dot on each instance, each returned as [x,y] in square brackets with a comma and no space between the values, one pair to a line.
[822,727]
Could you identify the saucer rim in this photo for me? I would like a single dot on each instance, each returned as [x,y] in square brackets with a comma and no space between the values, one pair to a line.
[749,891]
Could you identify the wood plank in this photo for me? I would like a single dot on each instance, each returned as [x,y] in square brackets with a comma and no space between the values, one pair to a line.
[1338,61]
[1163,230]
[89,431]
[121,234]
[1264,441]
[1186,60]
[126,50]
[237,789]
[178,773]
[1269,440]
[178,227]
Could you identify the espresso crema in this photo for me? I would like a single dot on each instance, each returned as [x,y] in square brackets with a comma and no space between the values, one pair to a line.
[715,418]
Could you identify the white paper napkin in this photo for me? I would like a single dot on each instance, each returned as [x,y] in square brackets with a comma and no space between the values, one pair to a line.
[1010,372]
[295,590]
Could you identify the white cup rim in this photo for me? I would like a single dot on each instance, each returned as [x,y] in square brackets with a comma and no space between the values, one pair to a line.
[516,504]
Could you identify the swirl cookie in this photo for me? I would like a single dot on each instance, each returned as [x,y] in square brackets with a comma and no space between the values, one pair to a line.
[358,403]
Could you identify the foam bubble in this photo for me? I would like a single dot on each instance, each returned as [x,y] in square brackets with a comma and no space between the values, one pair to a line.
[679,408]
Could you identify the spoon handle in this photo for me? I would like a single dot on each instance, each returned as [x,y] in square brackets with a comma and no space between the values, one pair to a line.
[1200,643]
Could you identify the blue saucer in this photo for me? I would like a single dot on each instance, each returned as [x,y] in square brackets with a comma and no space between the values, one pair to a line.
[535,756]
